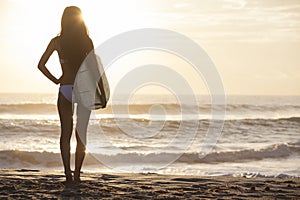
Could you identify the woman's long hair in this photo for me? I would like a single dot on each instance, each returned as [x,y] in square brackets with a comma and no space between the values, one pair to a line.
[74,35]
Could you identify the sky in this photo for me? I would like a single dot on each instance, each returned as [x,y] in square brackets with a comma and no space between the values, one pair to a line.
[254,44]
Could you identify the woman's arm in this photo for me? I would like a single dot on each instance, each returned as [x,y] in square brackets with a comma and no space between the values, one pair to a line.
[42,63]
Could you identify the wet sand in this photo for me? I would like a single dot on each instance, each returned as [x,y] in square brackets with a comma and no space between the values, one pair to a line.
[34,184]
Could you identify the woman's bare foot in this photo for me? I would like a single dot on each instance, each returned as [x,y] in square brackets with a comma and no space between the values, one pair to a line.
[76,178]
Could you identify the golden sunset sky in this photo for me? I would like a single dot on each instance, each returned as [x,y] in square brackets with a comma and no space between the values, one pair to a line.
[254,44]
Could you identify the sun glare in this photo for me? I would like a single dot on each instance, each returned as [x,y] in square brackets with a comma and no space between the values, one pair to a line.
[110,18]
[32,30]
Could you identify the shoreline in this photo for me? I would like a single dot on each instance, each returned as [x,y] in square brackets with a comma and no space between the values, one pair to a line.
[24,184]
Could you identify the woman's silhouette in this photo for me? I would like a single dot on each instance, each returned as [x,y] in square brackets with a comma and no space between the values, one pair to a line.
[73,45]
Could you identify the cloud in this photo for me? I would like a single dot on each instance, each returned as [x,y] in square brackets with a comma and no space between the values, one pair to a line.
[238,20]
[181,5]
[234,4]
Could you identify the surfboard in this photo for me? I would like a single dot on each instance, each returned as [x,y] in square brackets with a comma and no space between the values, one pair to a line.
[91,87]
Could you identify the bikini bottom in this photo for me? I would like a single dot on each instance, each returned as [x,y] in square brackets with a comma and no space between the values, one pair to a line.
[67,91]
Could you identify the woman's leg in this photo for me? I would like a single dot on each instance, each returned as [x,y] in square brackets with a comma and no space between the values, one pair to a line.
[66,120]
[83,116]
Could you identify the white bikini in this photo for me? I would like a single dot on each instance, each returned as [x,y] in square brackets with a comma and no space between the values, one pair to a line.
[67,91]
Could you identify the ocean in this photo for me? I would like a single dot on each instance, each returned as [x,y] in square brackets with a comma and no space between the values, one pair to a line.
[260,136]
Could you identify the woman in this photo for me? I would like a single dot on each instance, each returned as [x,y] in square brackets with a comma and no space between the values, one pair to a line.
[72,44]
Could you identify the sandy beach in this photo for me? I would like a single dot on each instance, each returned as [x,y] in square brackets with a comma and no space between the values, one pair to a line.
[35,184]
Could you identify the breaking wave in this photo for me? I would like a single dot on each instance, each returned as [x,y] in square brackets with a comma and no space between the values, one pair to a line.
[36,160]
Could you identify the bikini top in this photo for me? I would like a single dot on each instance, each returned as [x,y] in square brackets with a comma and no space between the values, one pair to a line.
[63,61]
